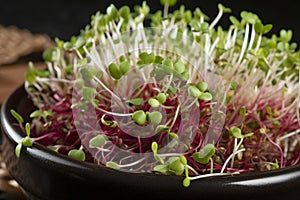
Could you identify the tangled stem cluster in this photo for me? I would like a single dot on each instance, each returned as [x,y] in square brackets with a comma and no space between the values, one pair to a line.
[183,96]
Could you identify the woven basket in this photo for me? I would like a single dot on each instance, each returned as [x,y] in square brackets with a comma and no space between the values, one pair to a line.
[16,43]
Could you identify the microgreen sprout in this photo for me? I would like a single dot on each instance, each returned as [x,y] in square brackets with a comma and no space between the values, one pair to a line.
[154,117]
[97,141]
[153,102]
[154,148]
[127,97]
[198,92]
[16,115]
[77,154]
[204,155]
[44,114]
[112,165]
[108,122]
[161,97]
[25,141]
[135,101]
[139,117]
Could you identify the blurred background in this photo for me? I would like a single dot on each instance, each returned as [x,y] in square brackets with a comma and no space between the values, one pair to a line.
[64,18]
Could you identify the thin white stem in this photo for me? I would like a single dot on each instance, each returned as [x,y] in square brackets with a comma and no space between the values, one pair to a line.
[286,148]
[78,54]
[141,90]
[106,88]
[169,154]
[216,20]
[166,10]
[253,33]
[169,83]
[208,175]
[190,104]
[103,150]
[115,114]
[211,165]
[95,59]
[229,158]
[58,71]
[167,107]
[288,135]
[47,80]
[206,56]
[212,48]
[258,43]
[227,43]
[245,42]
[37,86]
[234,150]
[134,163]
[192,169]
[175,117]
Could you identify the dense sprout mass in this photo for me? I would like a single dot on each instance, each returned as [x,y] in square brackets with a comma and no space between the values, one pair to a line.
[170,93]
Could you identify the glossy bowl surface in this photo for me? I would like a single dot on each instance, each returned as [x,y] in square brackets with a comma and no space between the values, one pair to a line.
[44,174]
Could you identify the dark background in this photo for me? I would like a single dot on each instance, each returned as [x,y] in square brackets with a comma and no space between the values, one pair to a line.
[64,18]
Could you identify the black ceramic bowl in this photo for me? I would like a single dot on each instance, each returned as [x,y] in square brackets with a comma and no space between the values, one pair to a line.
[44,174]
